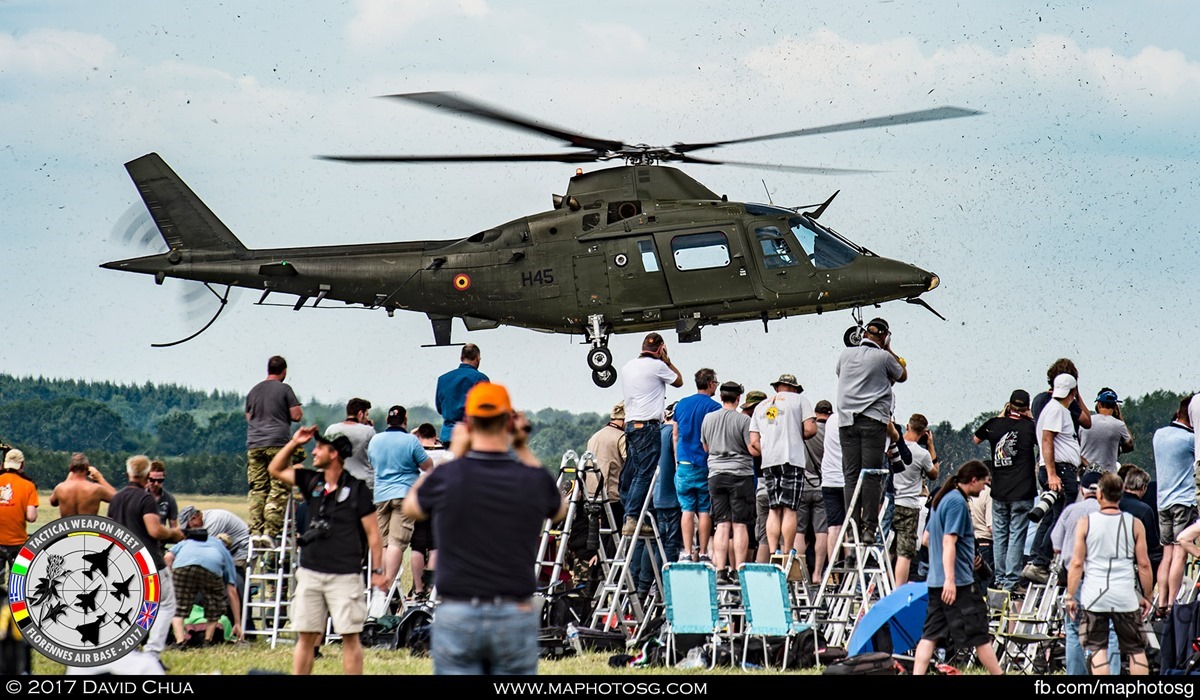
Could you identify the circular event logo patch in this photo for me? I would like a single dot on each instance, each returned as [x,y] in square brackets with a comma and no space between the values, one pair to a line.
[84,590]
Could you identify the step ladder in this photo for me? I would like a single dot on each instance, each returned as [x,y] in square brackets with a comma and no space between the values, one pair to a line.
[859,576]
[270,581]
[552,546]
[617,605]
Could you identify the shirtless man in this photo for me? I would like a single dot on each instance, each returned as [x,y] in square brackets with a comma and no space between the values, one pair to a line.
[83,489]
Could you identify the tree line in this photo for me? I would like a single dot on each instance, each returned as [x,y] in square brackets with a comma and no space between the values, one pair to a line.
[202,435]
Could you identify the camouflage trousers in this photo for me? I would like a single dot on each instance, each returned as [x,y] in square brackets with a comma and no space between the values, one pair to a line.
[268,497]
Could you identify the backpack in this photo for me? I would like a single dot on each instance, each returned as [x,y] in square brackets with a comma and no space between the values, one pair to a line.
[381,633]
[872,663]
[413,631]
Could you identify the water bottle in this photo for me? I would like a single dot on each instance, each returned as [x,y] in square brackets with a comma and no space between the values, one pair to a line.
[573,638]
[377,605]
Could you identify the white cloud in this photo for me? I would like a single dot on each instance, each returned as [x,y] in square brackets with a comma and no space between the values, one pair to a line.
[53,53]
[378,22]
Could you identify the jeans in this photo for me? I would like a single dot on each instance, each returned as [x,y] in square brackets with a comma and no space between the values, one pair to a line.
[1076,660]
[863,444]
[644,559]
[642,447]
[1010,521]
[484,639]
[1043,549]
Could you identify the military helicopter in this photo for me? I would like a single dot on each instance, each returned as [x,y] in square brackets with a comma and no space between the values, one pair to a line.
[631,248]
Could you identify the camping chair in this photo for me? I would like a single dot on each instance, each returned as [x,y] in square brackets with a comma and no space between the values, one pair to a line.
[690,593]
[1023,632]
[768,607]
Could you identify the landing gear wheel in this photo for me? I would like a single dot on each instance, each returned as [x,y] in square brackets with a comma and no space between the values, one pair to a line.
[599,358]
[604,378]
[853,336]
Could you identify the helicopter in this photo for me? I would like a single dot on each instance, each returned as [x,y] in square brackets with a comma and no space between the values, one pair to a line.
[629,248]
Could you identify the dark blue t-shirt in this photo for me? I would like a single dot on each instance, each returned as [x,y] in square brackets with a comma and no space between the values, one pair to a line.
[487,510]
[951,517]
[689,415]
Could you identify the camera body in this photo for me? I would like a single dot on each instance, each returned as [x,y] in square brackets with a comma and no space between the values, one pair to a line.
[1043,505]
[318,529]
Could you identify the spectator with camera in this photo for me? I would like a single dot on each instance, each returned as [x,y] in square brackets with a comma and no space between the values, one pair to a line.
[342,530]
[488,508]
[84,489]
[1012,439]
[1058,468]
[1108,437]
[202,566]
[1174,457]
[909,485]
[1137,481]
[359,428]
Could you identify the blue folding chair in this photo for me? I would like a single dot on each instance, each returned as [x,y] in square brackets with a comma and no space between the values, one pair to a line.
[690,592]
[768,608]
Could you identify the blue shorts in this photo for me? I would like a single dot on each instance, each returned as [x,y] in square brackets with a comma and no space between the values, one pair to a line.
[691,486]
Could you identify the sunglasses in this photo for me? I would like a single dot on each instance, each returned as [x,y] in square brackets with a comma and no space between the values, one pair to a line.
[156,481]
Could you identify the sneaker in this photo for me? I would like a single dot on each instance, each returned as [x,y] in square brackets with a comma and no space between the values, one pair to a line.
[1036,573]
[704,559]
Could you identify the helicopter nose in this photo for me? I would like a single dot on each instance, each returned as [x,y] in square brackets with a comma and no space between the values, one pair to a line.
[908,279]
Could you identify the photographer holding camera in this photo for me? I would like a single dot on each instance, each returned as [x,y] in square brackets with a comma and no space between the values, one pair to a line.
[488,507]
[1012,438]
[341,527]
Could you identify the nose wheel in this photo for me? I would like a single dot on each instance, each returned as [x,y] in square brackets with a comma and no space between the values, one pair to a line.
[854,334]
[599,358]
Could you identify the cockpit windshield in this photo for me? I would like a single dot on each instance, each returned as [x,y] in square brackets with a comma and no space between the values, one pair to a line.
[827,250]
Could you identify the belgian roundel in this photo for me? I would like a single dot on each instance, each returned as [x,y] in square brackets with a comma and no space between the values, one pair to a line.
[462,282]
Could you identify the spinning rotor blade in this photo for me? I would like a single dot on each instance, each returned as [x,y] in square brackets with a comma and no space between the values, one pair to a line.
[579,157]
[805,169]
[925,115]
[457,103]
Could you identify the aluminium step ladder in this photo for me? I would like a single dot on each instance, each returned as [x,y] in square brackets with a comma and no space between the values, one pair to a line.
[270,581]
[856,578]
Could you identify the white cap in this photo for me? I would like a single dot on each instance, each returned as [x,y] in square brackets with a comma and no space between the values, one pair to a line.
[1064,384]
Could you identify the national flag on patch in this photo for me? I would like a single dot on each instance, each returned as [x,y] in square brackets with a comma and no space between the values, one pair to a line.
[21,564]
[145,618]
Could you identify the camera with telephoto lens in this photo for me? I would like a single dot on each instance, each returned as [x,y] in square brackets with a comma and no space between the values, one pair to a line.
[1044,503]
[318,529]
[200,534]
[895,462]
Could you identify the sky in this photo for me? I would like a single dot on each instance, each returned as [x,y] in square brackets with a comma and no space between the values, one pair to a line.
[1058,220]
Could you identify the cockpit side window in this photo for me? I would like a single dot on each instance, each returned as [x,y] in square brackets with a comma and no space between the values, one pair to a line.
[775,250]
[826,250]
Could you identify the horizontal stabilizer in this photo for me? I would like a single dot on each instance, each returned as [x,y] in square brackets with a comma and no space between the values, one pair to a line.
[183,220]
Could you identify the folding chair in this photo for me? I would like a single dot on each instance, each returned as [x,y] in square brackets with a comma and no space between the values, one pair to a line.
[1022,633]
[690,593]
[768,607]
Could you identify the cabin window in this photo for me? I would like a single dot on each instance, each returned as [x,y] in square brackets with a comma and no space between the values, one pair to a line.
[700,251]
[649,259]
[825,249]
[775,250]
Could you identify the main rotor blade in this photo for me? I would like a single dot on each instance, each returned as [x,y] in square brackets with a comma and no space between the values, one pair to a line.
[806,169]
[580,157]
[471,108]
[925,115]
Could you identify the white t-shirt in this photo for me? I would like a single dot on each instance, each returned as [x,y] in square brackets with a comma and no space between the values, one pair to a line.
[1101,443]
[1057,419]
[644,382]
[1194,419]
[779,422]
[908,482]
[832,474]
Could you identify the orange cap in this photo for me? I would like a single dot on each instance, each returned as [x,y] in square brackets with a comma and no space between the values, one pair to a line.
[487,399]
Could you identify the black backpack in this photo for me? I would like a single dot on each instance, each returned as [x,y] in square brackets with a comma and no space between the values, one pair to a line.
[872,663]
[413,632]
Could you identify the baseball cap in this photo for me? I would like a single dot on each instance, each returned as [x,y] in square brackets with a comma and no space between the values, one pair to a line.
[1020,398]
[823,407]
[14,459]
[1063,384]
[1107,395]
[339,442]
[486,400]
[880,324]
[733,387]
[185,515]
[1090,482]
[618,412]
[753,399]
[788,379]
[396,416]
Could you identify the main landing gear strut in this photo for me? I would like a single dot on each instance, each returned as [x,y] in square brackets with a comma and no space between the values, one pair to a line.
[599,357]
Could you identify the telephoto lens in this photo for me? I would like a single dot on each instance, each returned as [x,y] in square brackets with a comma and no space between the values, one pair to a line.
[1044,503]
